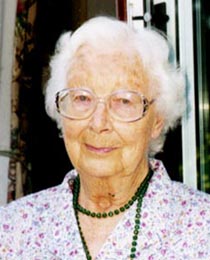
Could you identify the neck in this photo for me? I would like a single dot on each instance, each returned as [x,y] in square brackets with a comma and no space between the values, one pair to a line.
[107,193]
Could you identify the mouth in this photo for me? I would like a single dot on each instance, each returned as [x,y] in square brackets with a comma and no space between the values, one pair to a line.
[100,150]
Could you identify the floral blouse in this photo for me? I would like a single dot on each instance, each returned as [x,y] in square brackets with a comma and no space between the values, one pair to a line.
[175,224]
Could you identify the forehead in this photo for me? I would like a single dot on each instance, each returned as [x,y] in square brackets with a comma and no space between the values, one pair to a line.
[115,69]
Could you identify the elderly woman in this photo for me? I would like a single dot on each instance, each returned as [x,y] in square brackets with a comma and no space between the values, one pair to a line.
[114,95]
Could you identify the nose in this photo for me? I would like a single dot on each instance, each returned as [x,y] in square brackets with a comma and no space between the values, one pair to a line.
[100,121]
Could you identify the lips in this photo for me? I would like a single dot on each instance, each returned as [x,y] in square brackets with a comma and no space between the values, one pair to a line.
[100,150]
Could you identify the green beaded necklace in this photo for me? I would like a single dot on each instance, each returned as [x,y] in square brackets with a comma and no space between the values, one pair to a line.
[139,195]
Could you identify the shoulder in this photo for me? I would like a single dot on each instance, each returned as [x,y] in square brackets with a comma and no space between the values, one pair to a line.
[192,205]
[39,201]
[187,207]
[184,212]
[190,227]
[180,195]
[42,200]
[185,194]
[26,218]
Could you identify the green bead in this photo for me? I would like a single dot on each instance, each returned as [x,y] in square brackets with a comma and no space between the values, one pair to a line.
[116,211]
[130,202]
[135,237]
[136,227]
[139,194]
[134,197]
[137,221]
[98,215]
[133,249]
[127,206]
[134,243]
[138,210]
[139,204]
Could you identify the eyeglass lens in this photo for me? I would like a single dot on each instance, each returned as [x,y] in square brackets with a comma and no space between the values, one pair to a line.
[81,103]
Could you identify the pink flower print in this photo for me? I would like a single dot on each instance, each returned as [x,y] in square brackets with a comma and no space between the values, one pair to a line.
[55,252]
[163,251]
[53,189]
[41,235]
[68,228]
[57,233]
[183,203]
[5,227]
[114,243]
[28,203]
[73,253]
[24,216]
[145,215]
[159,176]
[38,244]
[202,242]
[184,245]
[128,223]
[149,234]
[46,206]
[199,224]
[66,206]
[178,232]
[164,231]
[201,254]
[203,213]
[165,201]
[119,253]
[143,224]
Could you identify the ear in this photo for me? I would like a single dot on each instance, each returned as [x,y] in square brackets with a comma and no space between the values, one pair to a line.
[157,126]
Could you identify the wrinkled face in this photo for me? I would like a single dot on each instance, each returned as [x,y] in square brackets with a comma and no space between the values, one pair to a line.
[99,145]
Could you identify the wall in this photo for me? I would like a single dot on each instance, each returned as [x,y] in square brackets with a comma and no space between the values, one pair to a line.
[7,22]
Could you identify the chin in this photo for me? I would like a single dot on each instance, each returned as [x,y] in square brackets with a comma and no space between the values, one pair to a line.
[98,169]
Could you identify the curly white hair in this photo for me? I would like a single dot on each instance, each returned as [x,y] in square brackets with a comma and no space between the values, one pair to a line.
[107,34]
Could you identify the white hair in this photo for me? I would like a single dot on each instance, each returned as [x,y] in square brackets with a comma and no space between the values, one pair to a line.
[107,35]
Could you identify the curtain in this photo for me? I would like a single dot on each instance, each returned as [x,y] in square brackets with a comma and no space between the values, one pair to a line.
[19,170]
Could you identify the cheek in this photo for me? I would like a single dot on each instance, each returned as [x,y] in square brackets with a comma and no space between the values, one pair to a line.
[71,135]
[137,137]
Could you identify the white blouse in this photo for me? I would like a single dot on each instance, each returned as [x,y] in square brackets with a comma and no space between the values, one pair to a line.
[175,224]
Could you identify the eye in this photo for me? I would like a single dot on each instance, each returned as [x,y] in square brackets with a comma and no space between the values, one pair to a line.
[124,101]
[81,98]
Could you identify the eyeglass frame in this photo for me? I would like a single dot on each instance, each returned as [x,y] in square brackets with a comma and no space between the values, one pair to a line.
[145,101]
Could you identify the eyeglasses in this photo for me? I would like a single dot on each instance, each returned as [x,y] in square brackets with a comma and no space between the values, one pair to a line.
[122,105]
